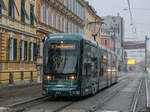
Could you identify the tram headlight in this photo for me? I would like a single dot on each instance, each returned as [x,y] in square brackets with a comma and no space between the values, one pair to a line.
[114,70]
[48,77]
[72,77]
[108,70]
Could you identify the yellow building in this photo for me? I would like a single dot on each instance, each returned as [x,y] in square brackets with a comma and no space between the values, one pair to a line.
[23,25]
[92,23]
[18,40]
[59,16]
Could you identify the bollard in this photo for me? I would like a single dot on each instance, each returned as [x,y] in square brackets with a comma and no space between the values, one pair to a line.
[31,77]
[22,76]
[11,81]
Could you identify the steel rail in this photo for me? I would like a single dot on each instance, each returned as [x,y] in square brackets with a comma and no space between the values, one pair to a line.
[135,99]
[107,97]
[147,94]
[25,102]
[63,107]
[22,105]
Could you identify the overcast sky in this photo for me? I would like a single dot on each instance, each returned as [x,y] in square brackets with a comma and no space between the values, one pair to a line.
[141,15]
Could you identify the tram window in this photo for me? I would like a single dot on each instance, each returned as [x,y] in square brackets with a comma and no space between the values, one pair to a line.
[90,64]
[101,71]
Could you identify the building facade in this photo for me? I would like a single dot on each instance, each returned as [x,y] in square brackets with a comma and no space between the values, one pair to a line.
[114,25]
[108,42]
[60,16]
[17,40]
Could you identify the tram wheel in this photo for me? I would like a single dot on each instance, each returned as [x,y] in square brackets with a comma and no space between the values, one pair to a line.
[94,89]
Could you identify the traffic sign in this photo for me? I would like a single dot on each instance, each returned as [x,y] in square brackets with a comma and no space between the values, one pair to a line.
[131,62]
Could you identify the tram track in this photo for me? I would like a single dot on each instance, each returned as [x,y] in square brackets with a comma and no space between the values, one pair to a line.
[25,102]
[147,93]
[48,100]
[104,98]
[136,97]
[22,106]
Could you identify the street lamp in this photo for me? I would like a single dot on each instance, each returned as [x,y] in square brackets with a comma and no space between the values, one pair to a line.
[96,33]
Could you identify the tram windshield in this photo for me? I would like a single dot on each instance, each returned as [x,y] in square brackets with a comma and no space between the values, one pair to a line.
[61,59]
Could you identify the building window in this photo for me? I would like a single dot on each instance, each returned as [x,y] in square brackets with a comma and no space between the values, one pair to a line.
[41,14]
[30,51]
[11,10]
[12,49]
[47,16]
[65,2]
[23,50]
[2,6]
[34,51]
[64,28]
[105,43]
[51,18]
[41,48]
[57,24]
[23,11]
[60,23]
[31,14]
[68,28]
[0,9]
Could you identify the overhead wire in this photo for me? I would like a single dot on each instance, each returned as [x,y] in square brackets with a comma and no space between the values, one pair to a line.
[131,18]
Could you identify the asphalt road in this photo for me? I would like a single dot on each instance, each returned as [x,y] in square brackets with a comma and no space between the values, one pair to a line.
[118,98]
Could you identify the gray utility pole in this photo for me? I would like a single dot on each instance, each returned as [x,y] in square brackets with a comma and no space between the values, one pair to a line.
[146,38]
[145,53]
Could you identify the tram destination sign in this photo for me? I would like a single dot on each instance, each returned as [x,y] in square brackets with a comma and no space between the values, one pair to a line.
[62,46]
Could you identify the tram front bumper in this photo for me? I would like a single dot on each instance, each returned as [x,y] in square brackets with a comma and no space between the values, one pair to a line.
[68,92]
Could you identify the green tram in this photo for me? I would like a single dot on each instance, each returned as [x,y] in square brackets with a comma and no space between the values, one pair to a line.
[74,65]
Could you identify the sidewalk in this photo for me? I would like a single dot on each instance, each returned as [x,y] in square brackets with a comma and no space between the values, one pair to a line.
[20,91]
[20,84]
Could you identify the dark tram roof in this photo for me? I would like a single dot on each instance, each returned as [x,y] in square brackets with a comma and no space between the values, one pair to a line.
[79,37]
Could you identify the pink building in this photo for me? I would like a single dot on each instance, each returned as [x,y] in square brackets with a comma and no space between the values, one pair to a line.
[108,42]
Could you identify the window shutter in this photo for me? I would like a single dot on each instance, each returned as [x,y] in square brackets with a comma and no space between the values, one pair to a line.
[20,44]
[25,50]
[9,48]
[34,51]
[30,51]
[15,49]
